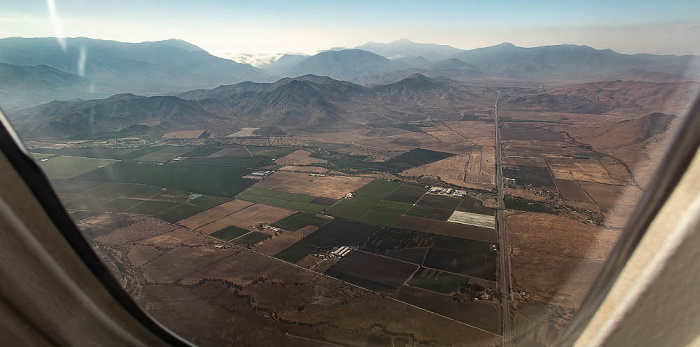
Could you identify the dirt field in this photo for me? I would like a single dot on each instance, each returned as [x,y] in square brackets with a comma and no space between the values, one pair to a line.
[478,133]
[247,218]
[213,214]
[299,157]
[187,134]
[589,170]
[283,240]
[264,307]
[475,169]
[334,187]
[179,237]
[143,228]
[571,190]
[617,203]
[314,169]
[139,254]
[556,259]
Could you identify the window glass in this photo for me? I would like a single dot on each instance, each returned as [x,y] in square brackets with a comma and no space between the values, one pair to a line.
[279,177]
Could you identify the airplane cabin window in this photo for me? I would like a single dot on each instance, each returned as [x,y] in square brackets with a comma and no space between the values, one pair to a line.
[351,173]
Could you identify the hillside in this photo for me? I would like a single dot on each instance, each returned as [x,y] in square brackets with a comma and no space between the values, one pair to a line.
[562,62]
[308,103]
[612,96]
[21,86]
[345,65]
[110,67]
[640,143]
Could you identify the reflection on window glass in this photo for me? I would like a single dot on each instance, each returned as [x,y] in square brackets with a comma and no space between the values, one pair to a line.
[390,194]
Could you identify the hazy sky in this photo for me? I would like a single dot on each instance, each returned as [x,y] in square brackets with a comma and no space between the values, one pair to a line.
[226,28]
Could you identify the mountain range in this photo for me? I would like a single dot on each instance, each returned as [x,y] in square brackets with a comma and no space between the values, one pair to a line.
[98,68]
[308,103]
[320,103]
[39,70]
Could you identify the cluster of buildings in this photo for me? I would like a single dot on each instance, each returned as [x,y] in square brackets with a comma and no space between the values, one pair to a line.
[448,191]
[342,251]
[258,175]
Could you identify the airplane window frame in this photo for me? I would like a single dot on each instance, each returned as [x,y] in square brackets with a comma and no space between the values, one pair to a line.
[38,183]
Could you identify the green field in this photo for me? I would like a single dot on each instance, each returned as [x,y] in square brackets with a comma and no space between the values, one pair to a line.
[101,152]
[203,151]
[370,210]
[418,211]
[380,218]
[377,189]
[405,161]
[178,213]
[296,252]
[242,162]
[269,152]
[251,238]
[516,203]
[210,180]
[299,202]
[357,202]
[438,281]
[229,233]
[299,220]
[64,167]
[346,212]
[165,154]
[261,192]
[386,206]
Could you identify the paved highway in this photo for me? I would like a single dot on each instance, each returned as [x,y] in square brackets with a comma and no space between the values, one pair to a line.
[502,246]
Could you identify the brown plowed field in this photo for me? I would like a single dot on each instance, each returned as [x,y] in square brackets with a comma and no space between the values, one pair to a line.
[247,218]
[334,187]
[283,240]
[616,202]
[571,190]
[556,259]
[145,227]
[213,214]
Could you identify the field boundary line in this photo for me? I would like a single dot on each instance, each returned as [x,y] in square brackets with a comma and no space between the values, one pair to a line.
[339,280]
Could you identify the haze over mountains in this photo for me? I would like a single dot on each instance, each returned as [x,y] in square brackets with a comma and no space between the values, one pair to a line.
[319,103]
[35,71]
[90,68]
[305,103]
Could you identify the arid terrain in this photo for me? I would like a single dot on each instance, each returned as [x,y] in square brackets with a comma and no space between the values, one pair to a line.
[351,215]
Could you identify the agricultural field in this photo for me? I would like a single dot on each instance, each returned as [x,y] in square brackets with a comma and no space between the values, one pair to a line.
[210,180]
[372,271]
[65,167]
[473,169]
[363,163]
[247,217]
[331,187]
[165,154]
[438,281]
[251,238]
[291,201]
[101,152]
[299,157]
[300,220]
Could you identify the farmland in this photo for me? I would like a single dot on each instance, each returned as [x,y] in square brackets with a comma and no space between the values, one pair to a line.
[64,167]
[179,218]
